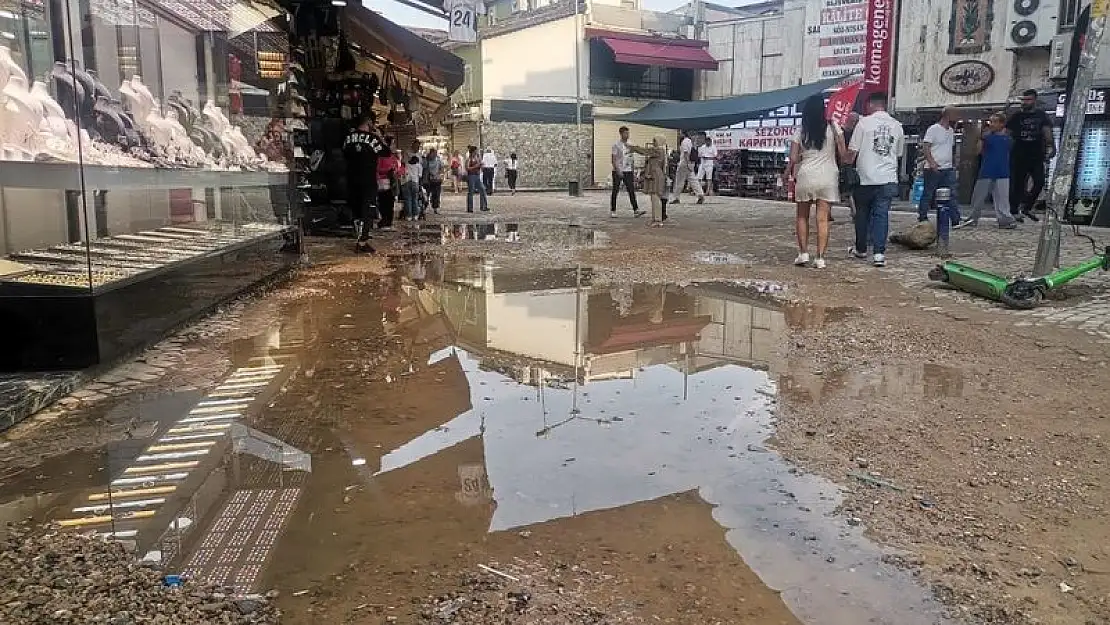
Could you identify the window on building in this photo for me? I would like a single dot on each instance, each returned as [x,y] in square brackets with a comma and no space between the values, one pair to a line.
[609,78]
[1069,14]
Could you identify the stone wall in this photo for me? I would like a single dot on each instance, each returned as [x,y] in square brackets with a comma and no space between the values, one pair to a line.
[547,152]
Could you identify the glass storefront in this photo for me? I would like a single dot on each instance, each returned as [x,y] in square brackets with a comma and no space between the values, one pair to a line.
[144,172]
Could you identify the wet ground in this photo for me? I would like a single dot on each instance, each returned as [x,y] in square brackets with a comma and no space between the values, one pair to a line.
[501,395]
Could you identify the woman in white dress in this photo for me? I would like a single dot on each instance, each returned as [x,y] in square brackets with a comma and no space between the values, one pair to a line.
[813,166]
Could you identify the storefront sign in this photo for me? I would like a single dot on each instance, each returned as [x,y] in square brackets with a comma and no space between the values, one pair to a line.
[1096,102]
[879,46]
[843,36]
[966,77]
[763,139]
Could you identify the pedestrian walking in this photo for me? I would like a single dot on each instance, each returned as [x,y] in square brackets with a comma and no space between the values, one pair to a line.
[995,146]
[1033,147]
[433,176]
[655,177]
[938,147]
[389,180]
[814,151]
[512,169]
[684,172]
[877,143]
[707,157]
[621,158]
[457,170]
[410,188]
[489,170]
[363,150]
[474,181]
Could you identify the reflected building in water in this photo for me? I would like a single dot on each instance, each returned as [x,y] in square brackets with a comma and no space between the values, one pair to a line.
[555,326]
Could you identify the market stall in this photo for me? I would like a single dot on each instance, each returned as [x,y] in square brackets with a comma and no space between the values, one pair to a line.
[369,65]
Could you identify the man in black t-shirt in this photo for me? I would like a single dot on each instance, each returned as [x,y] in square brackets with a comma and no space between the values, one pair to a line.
[361,150]
[1033,147]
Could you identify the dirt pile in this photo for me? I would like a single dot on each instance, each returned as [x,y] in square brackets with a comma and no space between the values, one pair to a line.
[48,576]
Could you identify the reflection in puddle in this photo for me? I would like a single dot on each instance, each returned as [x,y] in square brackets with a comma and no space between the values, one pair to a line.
[582,398]
[592,398]
[717,258]
[926,380]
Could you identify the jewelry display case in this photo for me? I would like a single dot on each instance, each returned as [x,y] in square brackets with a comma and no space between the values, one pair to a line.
[136,192]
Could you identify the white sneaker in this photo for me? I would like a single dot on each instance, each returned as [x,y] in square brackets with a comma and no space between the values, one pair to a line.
[819,263]
[802,259]
[852,253]
[878,260]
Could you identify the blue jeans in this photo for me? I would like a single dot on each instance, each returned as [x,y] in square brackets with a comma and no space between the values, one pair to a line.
[873,216]
[474,185]
[935,179]
[410,195]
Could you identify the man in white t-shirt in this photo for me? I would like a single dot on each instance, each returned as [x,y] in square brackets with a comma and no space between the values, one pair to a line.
[939,146]
[489,169]
[621,158]
[462,19]
[707,158]
[877,144]
[684,173]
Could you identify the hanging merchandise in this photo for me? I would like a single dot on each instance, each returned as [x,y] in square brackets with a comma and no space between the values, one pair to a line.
[463,18]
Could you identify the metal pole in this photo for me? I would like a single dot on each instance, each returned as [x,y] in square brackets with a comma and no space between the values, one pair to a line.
[578,152]
[1048,248]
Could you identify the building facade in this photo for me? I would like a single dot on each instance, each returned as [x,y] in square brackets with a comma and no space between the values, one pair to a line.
[545,80]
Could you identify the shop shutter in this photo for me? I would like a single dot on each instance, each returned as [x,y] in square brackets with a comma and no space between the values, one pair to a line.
[464,134]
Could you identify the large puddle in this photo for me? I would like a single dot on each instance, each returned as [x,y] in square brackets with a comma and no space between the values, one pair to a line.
[455,401]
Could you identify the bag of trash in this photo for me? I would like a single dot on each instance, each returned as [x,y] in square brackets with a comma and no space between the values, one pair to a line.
[918,237]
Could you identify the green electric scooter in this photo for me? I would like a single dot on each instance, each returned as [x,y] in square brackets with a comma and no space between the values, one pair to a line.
[1021,293]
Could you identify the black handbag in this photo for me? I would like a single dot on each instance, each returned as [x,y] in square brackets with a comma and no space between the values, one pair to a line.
[849,177]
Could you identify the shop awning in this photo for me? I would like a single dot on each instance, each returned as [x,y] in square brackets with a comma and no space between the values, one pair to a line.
[721,112]
[373,33]
[664,53]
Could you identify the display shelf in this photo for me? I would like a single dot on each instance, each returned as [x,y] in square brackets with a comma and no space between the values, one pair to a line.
[38,175]
[69,266]
[72,310]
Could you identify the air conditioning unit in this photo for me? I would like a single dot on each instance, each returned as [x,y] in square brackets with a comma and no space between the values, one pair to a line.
[1032,23]
[1058,57]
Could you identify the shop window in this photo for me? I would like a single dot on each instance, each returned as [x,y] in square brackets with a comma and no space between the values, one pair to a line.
[26,33]
[609,78]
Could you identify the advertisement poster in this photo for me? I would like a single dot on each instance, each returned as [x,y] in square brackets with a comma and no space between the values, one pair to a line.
[879,46]
[843,37]
[763,139]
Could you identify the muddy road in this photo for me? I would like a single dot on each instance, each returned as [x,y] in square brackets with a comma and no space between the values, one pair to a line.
[555,416]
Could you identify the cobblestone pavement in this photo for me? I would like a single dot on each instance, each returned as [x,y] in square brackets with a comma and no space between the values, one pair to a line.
[1083,304]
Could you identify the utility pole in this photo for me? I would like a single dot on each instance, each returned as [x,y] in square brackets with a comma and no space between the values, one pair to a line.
[1048,248]
[578,152]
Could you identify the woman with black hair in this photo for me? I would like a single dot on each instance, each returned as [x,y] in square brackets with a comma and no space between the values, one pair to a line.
[813,165]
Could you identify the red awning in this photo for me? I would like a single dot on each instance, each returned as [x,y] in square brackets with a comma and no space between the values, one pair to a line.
[665,53]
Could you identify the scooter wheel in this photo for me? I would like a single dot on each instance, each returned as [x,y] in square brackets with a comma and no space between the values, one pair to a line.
[938,274]
[1022,296]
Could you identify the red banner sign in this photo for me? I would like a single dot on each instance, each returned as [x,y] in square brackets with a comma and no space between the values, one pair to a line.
[842,101]
[879,47]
